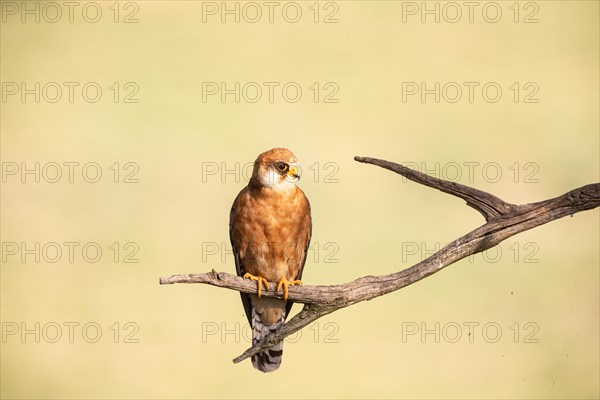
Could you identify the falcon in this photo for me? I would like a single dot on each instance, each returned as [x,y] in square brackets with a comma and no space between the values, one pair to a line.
[270,229]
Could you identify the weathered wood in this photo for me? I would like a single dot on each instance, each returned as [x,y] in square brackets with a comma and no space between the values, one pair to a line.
[503,221]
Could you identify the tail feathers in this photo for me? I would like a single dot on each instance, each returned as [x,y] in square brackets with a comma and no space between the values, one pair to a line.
[270,359]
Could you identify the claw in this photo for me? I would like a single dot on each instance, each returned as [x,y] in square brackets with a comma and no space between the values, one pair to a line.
[261,281]
[285,283]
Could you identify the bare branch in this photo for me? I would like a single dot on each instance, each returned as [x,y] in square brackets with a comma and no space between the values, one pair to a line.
[503,221]
[487,204]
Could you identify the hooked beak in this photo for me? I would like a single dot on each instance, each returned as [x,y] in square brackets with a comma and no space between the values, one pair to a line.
[294,172]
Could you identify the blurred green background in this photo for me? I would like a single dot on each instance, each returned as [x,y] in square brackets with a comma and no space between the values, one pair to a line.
[533,303]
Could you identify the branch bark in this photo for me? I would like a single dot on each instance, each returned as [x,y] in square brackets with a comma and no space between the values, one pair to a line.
[503,221]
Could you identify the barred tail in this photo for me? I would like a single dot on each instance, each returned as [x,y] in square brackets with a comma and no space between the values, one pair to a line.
[270,359]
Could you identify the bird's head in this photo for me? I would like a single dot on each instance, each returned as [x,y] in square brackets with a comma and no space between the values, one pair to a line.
[277,169]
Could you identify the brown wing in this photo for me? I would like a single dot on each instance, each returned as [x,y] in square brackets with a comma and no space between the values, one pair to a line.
[239,268]
[307,233]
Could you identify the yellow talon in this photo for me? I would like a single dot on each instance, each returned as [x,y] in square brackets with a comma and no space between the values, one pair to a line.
[261,281]
[285,283]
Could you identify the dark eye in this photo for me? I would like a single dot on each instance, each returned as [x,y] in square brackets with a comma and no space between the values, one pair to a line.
[282,167]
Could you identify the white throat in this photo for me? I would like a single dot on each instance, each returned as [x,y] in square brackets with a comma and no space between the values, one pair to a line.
[274,181]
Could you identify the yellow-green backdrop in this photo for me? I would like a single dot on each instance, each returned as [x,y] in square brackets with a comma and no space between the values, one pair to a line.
[171,101]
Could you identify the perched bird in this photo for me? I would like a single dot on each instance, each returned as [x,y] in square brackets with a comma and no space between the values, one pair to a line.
[270,228]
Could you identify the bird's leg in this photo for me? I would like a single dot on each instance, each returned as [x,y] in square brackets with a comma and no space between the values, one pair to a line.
[285,283]
[260,280]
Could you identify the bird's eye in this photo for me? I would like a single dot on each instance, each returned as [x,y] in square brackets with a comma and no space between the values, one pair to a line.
[282,167]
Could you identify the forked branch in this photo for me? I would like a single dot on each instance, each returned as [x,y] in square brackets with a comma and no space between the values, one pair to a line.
[503,221]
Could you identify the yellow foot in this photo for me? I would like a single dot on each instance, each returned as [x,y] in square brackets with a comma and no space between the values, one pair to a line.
[285,283]
[261,281]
